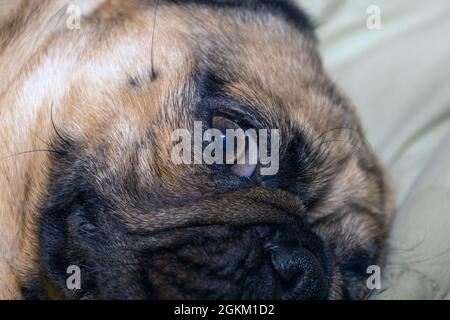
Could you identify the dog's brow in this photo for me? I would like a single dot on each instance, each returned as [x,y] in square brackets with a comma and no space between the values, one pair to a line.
[213,94]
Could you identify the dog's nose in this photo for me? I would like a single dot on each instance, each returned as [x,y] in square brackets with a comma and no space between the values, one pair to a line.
[300,273]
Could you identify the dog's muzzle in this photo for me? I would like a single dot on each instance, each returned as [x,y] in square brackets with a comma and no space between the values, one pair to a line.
[249,262]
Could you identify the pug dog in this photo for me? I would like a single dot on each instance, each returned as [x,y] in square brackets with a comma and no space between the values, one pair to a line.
[90,95]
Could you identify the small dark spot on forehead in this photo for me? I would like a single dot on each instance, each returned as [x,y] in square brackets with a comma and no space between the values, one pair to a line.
[134,83]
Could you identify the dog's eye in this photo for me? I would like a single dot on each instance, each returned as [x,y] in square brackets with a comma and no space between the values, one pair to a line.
[239,146]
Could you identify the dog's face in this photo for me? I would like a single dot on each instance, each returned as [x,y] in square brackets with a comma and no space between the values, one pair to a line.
[140,226]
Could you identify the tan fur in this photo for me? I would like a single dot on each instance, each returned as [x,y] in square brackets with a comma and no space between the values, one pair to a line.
[79,78]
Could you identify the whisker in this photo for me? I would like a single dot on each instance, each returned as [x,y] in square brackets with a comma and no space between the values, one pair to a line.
[352,130]
[50,147]
[54,127]
[27,152]
[421,261]
[152,70]
[337,140]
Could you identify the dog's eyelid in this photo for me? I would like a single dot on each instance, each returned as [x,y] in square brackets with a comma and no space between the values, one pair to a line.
[222,123]
[221,117]
[247,116]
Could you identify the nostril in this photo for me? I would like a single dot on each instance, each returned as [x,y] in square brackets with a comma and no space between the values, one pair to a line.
[300,273]
[284,261]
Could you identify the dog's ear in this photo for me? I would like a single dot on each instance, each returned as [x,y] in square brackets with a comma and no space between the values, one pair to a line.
[286,9]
